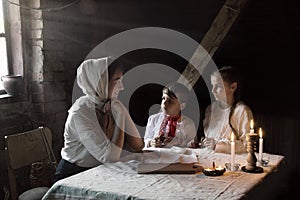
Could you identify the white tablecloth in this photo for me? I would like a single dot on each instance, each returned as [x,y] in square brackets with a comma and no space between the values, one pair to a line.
[121,181]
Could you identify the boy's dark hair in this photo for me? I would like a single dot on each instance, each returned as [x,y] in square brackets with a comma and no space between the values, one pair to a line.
[172,88]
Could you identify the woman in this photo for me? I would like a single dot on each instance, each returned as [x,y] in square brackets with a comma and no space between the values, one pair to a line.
[98,125]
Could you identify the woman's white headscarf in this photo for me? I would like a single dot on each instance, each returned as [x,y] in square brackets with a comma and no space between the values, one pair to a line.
[92,78]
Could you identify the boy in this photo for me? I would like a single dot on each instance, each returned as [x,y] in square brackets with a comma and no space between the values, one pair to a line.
[170,127]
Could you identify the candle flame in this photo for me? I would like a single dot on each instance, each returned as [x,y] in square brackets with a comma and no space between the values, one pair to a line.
[260,132]
[232,137]
[219,168]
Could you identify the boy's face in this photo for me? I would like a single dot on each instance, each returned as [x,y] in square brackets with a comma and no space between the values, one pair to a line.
[170,106]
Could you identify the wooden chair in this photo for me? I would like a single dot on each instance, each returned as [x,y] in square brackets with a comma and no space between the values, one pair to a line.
[22,150]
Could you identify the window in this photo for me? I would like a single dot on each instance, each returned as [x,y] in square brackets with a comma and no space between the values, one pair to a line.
[11,49]
[3,45]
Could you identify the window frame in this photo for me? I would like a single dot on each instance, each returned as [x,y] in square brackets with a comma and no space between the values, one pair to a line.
[12,16]
[7,37]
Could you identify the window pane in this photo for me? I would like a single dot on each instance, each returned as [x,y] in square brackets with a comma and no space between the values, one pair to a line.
[1,18]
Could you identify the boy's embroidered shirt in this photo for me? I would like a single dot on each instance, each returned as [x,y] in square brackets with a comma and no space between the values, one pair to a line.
[185,131]
[168,126]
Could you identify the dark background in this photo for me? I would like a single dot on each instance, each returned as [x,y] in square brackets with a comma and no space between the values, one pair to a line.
[262,43]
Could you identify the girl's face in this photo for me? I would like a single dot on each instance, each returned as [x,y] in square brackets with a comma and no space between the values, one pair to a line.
[115,84]
[170,106]
[222,91]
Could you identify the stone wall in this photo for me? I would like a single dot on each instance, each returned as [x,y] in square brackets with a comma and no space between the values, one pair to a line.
[49,70]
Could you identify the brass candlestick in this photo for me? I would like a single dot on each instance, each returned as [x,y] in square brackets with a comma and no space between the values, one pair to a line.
[251,158]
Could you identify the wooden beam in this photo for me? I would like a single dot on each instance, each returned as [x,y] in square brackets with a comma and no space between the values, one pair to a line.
[211,41]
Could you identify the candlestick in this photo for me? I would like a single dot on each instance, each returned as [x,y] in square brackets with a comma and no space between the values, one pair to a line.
[232,152]
[251,158]
[260,151]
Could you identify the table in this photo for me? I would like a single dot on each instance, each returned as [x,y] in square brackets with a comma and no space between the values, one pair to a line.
[121,181]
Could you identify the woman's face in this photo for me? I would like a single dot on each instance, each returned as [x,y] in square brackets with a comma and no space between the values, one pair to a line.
[222,90]
[170,106]
[115,84]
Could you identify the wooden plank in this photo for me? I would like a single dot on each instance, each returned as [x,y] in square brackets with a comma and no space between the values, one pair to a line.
[211,41]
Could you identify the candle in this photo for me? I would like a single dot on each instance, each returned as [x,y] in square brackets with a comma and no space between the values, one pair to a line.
[232,152]
[260,145]
[251,127]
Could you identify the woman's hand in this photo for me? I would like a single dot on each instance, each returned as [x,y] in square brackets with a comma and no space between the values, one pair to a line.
[209,142]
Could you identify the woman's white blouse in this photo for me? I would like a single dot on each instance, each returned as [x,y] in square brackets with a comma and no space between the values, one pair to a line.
[85,143]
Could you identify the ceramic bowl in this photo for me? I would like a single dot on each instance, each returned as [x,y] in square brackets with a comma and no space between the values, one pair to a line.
[214,172]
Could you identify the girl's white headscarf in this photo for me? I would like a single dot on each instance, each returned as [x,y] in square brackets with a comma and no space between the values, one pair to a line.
[92,78]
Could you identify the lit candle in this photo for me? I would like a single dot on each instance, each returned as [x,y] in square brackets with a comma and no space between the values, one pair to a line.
[260,145]
[232,151]
[251,127]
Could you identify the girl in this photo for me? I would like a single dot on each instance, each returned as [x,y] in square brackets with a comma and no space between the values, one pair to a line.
[227,114]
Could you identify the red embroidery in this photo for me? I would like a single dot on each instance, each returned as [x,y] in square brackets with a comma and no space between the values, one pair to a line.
[172,123]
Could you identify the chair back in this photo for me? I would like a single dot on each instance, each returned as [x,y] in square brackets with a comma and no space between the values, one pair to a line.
[25,148]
